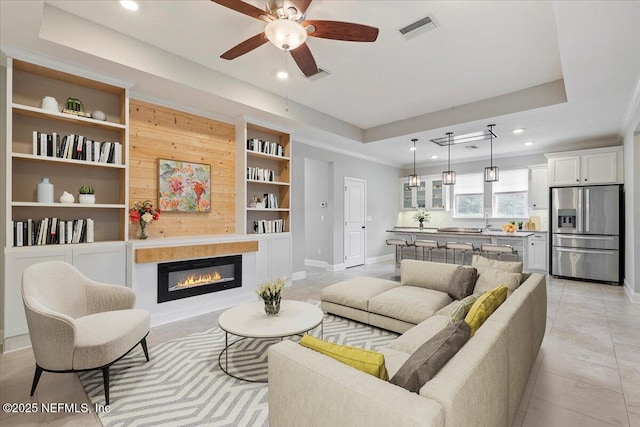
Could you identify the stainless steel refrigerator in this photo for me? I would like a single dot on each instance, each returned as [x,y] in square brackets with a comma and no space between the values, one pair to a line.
[586,227]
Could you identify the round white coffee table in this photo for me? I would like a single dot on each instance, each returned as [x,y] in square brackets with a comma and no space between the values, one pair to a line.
[250,321]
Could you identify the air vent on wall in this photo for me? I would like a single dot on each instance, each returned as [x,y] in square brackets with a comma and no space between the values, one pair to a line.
[421,26]
[320,74]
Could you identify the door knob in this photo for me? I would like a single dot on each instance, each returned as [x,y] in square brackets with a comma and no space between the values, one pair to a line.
[363,227]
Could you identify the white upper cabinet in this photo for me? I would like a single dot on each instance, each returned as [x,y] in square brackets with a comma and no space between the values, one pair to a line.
[586,167]
[538,187]
[431,194]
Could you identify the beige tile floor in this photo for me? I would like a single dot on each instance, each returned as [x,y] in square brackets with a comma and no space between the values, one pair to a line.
[587,372]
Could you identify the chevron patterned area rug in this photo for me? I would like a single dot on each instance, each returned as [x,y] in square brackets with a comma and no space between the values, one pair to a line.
[182,384]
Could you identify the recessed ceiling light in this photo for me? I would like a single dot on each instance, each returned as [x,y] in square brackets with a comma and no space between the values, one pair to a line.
[412,148]
[528,143]
[282,74]
[434,157]
[129,4]
[518,130]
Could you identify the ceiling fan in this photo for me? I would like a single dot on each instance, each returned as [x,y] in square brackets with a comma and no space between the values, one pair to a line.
[288,29]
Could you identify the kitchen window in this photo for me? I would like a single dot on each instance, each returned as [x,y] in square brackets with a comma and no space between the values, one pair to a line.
[510,194]
[468,199]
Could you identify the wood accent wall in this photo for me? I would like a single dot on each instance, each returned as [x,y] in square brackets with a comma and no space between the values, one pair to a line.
[157,132]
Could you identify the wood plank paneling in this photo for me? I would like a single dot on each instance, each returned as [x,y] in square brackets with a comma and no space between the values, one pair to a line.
[157,132]
[173,253]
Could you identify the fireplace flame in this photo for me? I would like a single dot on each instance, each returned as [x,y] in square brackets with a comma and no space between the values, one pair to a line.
[202,279]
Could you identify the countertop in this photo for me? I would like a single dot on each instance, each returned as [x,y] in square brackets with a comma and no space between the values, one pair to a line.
[487,233]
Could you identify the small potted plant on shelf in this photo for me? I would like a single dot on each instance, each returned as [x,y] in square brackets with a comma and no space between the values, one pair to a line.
[87,195]
[271,294]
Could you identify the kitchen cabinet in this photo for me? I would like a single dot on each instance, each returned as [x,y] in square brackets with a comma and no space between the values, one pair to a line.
[537,253]
[538,187]
[414,197]
[586,167]
[431,194]
[274,257]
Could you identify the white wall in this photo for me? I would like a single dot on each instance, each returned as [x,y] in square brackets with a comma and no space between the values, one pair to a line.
[318,220]
[632,212]
[383,202]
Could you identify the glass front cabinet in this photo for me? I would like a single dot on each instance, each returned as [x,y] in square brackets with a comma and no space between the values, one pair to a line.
[431,194]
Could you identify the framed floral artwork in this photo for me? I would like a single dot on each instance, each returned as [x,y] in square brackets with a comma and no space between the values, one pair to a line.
[184,186]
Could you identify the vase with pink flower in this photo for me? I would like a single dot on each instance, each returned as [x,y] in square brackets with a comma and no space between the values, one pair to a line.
[143,214]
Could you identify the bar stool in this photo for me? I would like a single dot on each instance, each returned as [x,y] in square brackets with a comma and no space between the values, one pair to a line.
[462,247]
[429,245]
[498,250]
[399,244]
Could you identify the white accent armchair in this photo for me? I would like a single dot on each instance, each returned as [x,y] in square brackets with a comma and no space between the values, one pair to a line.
[77,324]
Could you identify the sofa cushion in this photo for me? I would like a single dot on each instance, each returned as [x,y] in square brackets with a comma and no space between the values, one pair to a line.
[462,282]
[427,360]
[484,307]
[489,278]
[408,303]
[463,307]
[419,334]
[356,292]
[508,266]
[425,274]
[367,361]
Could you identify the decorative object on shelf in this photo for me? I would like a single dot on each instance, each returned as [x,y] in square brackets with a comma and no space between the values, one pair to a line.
[98,115]
[422,215]
[449,176]
[184,186]
[49,103]
[414,179]
[491,173]
[509,228]
[74,106]
[520,225]
[144,214]
[45,191]
[67,198]
[87,195]
[271,294]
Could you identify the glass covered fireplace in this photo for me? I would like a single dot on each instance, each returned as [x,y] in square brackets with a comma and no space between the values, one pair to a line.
[183,279]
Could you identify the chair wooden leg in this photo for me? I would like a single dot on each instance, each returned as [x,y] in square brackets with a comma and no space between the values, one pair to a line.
[105,378]
[36,378]
[143,343]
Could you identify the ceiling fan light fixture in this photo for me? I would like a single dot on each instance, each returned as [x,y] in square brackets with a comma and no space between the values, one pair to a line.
[285,34]
[282,74]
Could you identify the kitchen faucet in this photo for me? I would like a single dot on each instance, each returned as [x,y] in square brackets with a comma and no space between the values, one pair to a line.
[486,220]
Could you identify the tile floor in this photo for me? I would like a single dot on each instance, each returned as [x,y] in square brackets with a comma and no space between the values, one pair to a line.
[587,372]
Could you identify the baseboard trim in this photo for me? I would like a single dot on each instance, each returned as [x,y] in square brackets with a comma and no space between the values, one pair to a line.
[298,275]
[377,259]
[633,296]
[316,263]
[16,343]
[336,267]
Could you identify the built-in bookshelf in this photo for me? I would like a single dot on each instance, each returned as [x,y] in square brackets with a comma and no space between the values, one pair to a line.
[69,150]
[264,193]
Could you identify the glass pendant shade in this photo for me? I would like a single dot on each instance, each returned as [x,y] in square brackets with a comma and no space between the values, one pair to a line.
[285,34]
[414,180]
[491,174]
[448,178]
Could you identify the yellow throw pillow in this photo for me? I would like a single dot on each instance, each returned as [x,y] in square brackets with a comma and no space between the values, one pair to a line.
[367,361]
[484,307]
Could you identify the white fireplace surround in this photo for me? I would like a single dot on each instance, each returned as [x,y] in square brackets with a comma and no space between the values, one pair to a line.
[144,277]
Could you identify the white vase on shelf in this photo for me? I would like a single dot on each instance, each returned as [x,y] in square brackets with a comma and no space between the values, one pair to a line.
[67,197]
[49,103]
[45,191]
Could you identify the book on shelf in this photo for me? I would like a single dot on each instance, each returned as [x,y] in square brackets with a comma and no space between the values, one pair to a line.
[260,174]
[75,147]
[266,147]
[50,231]
[270,201]
[265,226]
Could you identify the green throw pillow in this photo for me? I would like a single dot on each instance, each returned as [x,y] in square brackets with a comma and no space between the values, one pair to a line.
[463,307]
[367,361]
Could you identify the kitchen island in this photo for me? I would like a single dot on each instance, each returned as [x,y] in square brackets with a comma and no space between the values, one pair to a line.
[518,240]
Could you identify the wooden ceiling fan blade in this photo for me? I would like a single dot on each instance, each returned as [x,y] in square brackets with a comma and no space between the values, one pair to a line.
[346,31]
[301,5]
[245,47]
[303,57]
[246,9]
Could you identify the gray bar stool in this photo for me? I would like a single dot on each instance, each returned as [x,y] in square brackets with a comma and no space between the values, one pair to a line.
[399,244]
[462,247]
[429,245]
[498,250]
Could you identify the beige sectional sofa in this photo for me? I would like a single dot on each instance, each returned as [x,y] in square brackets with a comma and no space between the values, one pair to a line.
[482,385]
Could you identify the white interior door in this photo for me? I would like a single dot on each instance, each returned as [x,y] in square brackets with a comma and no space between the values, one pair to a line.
[355,202]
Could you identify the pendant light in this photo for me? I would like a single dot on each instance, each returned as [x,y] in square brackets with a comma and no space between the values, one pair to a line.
[414,179]
[449,176]
[491,173]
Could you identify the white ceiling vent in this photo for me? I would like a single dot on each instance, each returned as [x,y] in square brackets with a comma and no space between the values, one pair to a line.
[419,27]
[320,74]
